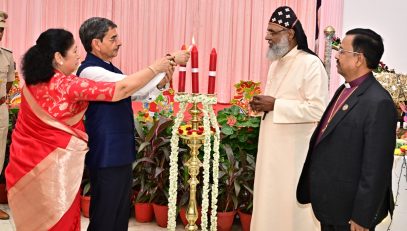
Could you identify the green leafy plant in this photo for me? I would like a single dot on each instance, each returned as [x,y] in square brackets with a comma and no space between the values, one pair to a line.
[246,180]
[239,137]
[151,170]
[239,130]
[229,187]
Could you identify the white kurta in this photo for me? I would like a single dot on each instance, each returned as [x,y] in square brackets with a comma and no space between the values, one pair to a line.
[299,83]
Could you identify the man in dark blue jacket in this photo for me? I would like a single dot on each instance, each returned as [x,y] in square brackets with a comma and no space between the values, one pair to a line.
[110,126]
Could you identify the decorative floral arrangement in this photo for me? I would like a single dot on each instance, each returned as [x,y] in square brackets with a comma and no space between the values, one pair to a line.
[14,94]
[163,105]
[186,129]
[144,116]
[245,90]
[401,147]
[336,42]
[172,200]
[383,68]
[209,119]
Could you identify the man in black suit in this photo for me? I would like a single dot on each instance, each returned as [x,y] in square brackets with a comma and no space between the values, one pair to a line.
[347,173]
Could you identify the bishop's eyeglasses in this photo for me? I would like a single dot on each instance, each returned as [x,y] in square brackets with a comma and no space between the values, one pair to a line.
[341,51]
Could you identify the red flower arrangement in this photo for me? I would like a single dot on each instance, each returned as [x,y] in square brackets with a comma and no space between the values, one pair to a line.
[245,90]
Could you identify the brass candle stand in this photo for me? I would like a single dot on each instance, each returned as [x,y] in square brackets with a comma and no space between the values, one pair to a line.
[194,141]
[195,134]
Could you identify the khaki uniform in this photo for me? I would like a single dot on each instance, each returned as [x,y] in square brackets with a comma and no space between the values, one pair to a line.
[6,75]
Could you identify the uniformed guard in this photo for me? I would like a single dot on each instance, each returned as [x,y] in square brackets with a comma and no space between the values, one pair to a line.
[6,80]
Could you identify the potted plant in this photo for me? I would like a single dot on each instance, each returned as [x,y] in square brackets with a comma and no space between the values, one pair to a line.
[229,188]
[85,193]
[239,137]
[245,198]
[151,170]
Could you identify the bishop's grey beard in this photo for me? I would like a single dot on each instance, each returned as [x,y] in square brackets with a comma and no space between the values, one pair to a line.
[279,49]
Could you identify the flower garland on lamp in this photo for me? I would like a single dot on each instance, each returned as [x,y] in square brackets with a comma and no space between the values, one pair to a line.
[195,139]
[172,200]
[210,119]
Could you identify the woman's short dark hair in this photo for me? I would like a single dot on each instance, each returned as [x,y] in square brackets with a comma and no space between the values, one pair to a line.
[369,43]
[94,28]
[37,63]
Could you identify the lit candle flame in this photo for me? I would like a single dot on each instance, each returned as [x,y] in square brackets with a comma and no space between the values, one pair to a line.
[193,44]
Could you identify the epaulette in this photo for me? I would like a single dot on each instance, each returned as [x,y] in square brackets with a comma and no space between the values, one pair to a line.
[6,49]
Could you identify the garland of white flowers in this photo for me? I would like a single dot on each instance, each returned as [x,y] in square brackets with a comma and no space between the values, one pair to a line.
[215,169]
[209,118]
[206,167]
[172,200]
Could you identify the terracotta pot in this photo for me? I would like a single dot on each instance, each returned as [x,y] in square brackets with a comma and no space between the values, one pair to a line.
[161,215]
[85,203]
[184,217]
[143,212]
[3,194]
[225,220]
[245,220]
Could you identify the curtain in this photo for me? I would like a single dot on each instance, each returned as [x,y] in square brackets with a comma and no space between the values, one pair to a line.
[151,28]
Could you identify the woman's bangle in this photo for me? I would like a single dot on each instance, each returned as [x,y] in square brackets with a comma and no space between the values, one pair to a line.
[153,70]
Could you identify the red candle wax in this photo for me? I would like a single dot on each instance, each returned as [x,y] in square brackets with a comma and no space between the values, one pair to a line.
[182,72]
[195,71]
[212,72]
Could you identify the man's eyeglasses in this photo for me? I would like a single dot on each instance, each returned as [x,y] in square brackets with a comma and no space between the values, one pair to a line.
[341,51]
[273,33]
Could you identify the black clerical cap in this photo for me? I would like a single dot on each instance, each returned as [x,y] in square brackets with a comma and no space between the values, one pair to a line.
[284,16]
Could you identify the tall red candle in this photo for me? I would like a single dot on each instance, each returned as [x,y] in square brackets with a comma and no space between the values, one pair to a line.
[212,72]
[195,71]
[182,72]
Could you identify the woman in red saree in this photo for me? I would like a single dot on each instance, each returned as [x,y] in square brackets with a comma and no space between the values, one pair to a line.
[49,143]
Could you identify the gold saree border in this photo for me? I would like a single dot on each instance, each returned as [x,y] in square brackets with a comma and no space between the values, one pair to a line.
[42,196]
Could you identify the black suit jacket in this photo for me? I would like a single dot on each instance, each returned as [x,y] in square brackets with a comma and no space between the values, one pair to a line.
[347,174]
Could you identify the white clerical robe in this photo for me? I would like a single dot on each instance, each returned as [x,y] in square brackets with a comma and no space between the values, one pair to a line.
[299,83]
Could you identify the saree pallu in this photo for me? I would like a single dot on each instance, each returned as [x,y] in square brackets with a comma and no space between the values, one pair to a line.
[45,169]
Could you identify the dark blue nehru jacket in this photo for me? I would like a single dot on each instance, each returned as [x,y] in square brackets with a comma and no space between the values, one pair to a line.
[110,126]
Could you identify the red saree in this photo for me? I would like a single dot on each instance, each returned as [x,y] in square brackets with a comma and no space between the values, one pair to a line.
[47,154]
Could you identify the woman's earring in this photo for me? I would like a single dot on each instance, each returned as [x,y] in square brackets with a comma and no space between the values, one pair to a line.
[61,63]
